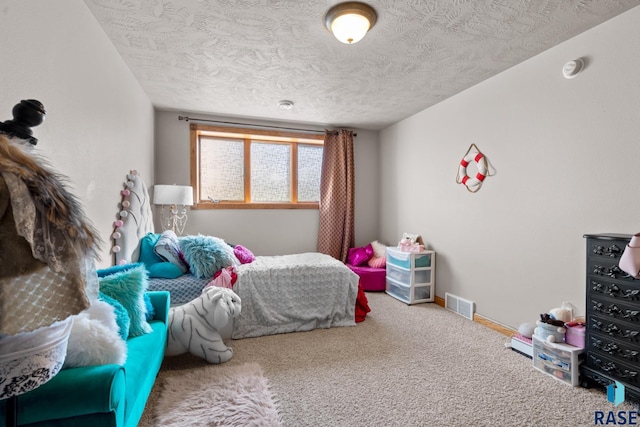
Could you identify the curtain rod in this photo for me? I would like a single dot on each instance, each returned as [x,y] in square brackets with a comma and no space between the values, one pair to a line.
[186,118]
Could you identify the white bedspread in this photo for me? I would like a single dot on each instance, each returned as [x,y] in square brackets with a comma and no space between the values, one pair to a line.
[291,293]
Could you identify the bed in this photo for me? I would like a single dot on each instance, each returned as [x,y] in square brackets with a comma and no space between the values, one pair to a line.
[280,294]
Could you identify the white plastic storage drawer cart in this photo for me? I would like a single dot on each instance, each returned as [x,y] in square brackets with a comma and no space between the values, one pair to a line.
[411,276]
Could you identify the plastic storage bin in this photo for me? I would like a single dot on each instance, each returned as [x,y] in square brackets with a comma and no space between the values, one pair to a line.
[398,290]
[575,334]
[422,293]
[403,292]
[410,276]
[403,259]
[559,360]
[404,276]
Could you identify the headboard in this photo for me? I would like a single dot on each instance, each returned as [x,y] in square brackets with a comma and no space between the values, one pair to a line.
[135,220]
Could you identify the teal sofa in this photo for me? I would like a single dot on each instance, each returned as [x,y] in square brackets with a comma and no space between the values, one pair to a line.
[105,395]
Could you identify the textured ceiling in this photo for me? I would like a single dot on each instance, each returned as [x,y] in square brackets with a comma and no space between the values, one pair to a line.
[240,57]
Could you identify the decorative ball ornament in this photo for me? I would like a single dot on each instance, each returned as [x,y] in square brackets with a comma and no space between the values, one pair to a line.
[124,212]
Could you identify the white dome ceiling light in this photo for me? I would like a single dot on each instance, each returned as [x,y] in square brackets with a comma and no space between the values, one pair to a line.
[350,21]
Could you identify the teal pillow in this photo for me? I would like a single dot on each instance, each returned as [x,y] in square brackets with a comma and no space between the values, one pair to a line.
[128,288]
[150,311]
[206,255]
[116,269]
[147,254]
[122,317]
[165,270]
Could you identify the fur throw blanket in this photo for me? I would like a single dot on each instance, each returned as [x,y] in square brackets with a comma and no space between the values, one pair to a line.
[47,245]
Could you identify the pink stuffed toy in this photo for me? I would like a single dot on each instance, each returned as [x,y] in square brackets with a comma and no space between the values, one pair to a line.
[244,255]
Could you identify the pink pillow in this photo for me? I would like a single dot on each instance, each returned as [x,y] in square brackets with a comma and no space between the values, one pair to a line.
[369,251]
[244,255]
[377,262]
[357,256]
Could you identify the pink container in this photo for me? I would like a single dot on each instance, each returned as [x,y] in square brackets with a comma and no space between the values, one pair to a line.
[575,334]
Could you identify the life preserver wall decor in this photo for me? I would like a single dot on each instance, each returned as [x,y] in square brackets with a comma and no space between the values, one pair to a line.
[473,183]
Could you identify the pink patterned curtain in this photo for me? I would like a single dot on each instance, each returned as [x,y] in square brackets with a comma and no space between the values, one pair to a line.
[336,232]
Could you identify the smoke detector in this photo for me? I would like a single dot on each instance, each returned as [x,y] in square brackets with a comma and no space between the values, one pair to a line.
[285,104]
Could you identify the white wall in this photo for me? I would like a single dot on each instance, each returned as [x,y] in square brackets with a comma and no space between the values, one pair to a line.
[264,231]
[99,122]
[565,154]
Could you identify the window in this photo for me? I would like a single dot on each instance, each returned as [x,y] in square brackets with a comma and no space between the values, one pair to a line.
[234,168]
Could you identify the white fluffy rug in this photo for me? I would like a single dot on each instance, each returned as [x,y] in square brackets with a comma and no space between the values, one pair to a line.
[217,395]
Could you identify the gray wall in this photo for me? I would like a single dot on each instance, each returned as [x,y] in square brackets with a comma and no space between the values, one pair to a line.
[99,122]
[565,155]
[265,231]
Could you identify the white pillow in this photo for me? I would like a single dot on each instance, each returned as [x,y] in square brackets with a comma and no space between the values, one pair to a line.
[379,249]
[104,312]
[168,248]
[95,338]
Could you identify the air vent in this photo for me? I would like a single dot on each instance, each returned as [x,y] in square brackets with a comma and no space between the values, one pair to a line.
[459,305]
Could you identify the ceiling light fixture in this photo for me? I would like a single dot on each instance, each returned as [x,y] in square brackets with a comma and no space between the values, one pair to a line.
[350,21]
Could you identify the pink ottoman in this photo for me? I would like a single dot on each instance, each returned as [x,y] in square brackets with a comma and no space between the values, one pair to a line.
[371,279]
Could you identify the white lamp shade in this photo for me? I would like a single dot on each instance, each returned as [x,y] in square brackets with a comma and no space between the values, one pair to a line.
[350,28]
[173,195]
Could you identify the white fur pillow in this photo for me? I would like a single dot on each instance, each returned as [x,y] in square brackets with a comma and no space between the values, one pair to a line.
[379,249]
[94,338]
[105,313]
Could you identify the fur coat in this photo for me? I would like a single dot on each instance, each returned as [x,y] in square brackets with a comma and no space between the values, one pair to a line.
[47,246]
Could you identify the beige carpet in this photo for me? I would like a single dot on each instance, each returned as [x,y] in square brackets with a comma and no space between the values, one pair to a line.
[404,365]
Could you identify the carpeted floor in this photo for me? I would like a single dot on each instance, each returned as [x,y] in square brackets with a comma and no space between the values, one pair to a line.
[404,365]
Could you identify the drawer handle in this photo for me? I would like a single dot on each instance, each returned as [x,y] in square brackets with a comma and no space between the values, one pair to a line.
[612,368]
[615,311]
[614,271]
[614,290]
[613,251]
[614,330]
[613,349]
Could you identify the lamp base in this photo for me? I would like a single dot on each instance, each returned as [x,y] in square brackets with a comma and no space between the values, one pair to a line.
[175,220]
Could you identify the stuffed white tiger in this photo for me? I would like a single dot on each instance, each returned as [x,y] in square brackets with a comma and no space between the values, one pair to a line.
[194,326]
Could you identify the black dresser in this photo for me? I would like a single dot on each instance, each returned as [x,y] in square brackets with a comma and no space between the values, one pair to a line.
[612,338]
